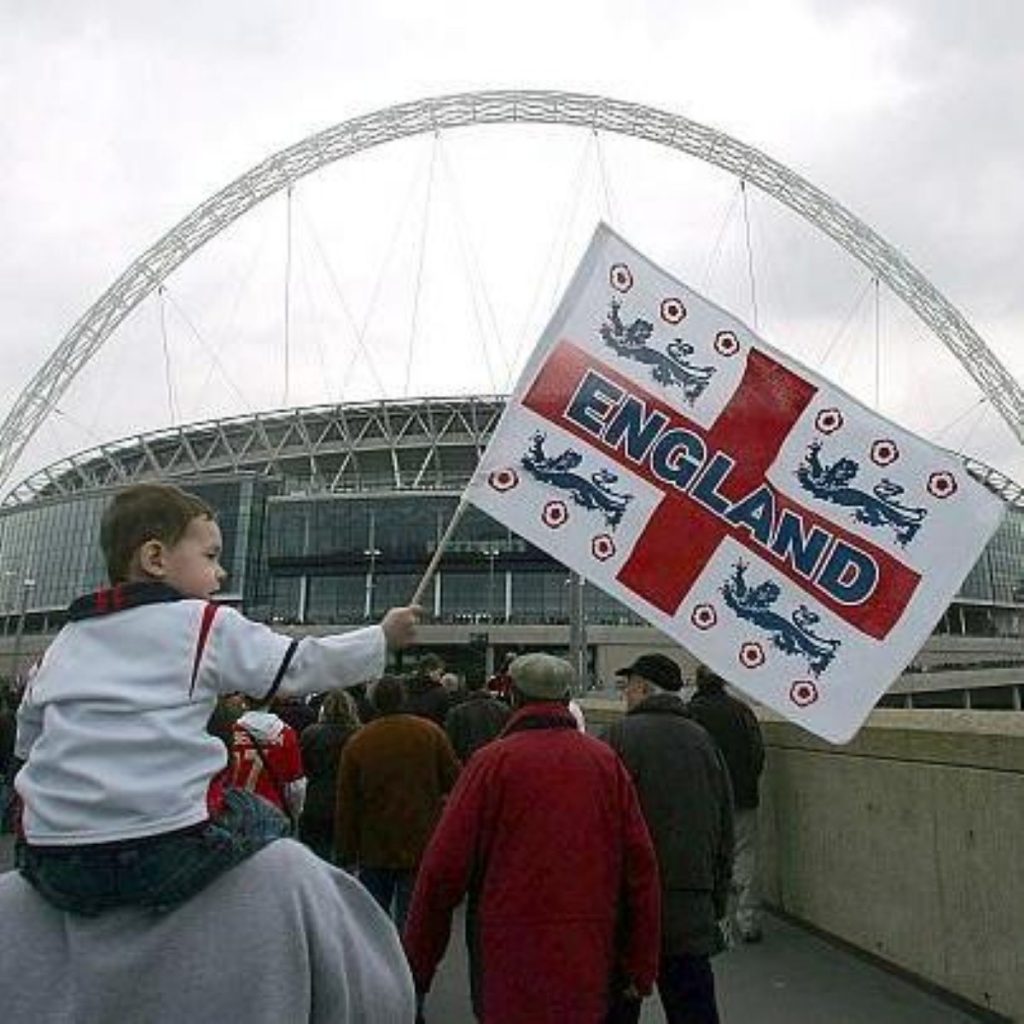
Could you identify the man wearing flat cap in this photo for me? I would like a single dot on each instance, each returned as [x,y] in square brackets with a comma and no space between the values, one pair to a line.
[686,798]
[545,834]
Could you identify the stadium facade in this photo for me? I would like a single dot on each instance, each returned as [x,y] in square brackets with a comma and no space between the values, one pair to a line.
[331,514]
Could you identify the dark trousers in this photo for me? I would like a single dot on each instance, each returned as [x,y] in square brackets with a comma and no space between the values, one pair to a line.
[686,985]
[392,889]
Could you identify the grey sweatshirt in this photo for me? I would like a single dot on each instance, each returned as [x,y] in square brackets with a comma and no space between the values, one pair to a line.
[282,938]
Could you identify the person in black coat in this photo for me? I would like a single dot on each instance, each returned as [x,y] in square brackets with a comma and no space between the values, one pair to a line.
[296,712]
[322,745]
[425,696]
[686,799]
[476,720]
[734,727]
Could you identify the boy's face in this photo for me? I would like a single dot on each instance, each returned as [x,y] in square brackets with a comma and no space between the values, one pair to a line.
[192,565]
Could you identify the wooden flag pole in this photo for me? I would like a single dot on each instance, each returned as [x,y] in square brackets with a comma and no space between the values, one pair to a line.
[442,544]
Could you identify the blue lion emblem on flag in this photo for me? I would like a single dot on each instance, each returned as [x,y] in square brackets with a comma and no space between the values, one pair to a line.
[669,368]
[877,508]
[590,493]
[791,635]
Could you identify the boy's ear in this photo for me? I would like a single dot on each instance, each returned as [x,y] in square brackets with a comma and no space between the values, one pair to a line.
[152,560]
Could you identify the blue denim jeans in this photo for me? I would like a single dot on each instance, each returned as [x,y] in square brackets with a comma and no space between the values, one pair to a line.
[157,872]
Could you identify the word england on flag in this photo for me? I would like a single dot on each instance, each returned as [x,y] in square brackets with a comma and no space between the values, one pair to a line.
[796,542]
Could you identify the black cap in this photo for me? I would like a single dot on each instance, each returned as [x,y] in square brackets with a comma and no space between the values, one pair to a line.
[657,669]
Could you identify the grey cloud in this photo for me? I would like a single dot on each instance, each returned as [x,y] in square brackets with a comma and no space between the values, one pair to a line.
[159,105]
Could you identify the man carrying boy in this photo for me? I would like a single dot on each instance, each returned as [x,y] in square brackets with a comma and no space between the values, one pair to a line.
[124,801]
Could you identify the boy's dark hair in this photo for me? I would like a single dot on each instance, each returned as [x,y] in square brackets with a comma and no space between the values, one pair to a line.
[388,695]
[142,513]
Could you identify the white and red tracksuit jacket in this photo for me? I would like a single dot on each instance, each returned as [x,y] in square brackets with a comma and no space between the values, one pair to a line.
[113,725]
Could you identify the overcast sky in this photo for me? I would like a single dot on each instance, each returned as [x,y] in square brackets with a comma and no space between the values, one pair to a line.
[444,256]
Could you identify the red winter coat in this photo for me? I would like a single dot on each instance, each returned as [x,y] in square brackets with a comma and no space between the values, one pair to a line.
[545,825]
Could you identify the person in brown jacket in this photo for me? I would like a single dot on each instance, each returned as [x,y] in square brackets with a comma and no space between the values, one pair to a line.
[395,774]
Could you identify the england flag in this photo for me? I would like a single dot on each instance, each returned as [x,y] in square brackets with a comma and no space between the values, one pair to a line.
[793,540]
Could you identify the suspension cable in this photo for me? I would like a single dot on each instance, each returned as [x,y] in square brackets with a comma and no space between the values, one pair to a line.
[236,305]
[577,196]
[847,320]
[424,231]
[983,408]
[878,348]
[378,284]
[314,309]
[750,253]
[58,442]
[474,274]
[162,310]
[959,418]
[287,295]
[716,249]
[210,351]
[606,187]
[79,425]
[358,334]
[568,214]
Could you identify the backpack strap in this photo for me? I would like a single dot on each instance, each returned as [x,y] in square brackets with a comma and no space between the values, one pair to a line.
[274,777]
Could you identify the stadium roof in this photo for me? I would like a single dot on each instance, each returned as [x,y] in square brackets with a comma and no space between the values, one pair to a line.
[411,444]
[396,445]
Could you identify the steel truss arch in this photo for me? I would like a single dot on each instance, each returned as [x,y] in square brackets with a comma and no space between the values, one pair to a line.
[283,168]
[430,444]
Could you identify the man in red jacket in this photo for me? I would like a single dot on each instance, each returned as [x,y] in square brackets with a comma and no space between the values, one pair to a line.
[544,832]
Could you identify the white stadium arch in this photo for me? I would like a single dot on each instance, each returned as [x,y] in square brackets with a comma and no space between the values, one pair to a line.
[282,169]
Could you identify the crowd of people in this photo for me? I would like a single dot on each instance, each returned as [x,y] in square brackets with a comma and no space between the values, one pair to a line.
[301,826]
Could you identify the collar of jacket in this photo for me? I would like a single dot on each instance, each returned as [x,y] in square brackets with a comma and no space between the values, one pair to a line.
[709,695]
[540,715]
[660,704]
[107,600]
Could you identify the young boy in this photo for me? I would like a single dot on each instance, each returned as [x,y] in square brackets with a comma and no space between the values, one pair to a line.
[122,790]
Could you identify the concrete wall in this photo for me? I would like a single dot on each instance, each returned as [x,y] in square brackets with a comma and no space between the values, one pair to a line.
[909,843]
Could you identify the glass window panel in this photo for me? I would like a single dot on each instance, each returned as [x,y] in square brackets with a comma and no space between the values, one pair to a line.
[472,597]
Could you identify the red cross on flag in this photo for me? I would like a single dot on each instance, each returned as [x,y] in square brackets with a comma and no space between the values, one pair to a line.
[793,540]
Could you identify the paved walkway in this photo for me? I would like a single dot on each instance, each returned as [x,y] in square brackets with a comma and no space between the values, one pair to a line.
[793,977]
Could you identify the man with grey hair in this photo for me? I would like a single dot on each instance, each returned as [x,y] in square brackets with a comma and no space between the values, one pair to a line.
[544,832]
[687,801]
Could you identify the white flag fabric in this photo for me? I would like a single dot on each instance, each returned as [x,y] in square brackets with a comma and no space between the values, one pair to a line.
[793,540]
